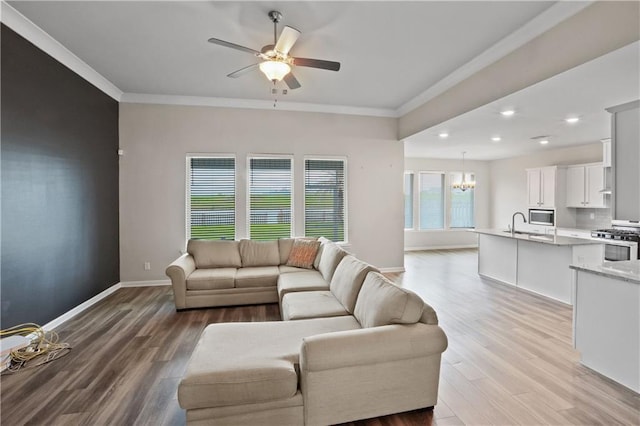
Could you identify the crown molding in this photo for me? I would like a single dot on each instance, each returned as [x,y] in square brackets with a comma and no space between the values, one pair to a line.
[538,25]
[141,98]
[543,22]
[37,36]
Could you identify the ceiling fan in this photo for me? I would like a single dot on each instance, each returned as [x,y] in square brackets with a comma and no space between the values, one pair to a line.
[276,62]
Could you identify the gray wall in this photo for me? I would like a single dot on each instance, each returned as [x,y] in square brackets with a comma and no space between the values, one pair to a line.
[157,138]
[59,186]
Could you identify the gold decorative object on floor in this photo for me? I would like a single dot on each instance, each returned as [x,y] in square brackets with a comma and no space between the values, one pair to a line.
[42,348]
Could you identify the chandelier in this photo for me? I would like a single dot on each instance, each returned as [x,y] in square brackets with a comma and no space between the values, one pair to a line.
[464,184]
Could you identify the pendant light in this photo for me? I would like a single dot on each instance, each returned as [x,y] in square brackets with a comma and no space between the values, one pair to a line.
[464,185]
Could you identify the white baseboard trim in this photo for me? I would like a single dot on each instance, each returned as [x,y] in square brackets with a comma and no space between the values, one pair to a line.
[464,246]
[392,269]
[151,283]
[81,307]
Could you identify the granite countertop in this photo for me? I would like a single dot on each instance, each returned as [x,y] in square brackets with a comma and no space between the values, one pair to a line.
[628,270]
[555,240]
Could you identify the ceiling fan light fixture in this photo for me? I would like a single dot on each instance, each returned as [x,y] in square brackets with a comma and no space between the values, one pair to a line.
[275,70]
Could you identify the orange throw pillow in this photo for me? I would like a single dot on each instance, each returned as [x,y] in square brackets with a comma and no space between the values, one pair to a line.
[303,253]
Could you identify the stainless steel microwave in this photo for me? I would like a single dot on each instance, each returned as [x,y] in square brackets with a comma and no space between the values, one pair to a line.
[542,217]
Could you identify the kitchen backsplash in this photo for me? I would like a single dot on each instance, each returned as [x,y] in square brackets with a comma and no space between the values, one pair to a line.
[602,218]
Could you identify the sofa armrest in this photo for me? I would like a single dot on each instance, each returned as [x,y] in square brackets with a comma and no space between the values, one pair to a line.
[371,346]
[370,372]
[178,271]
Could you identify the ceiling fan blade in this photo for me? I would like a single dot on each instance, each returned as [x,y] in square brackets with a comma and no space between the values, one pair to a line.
[317,63]
[234,46]
[292,81]
[287,39]
[242,71]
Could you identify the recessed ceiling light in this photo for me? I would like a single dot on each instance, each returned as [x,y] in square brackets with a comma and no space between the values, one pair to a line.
[544,142]
[496,138]
[508,112]
[572,120]
[443,135]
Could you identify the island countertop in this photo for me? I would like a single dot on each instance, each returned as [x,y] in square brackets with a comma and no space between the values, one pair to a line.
[628,270]
[555,240]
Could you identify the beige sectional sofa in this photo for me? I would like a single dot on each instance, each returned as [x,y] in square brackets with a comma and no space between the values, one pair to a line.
[352,345]
[224,273]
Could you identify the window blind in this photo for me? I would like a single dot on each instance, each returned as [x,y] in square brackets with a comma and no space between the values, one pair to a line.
[212,198]
[462,214]
[270,185]
[408,201]
[431,200]
[324,199]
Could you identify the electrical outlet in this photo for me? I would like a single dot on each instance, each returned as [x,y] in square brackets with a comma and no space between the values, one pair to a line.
[147,266]
[592,216]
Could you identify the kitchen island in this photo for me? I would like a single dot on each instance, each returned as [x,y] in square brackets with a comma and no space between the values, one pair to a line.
[535,262]
[606,319]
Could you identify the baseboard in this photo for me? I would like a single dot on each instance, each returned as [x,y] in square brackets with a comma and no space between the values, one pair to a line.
[392,269]
[464,246]
[81,307]
[151,283]
[534,293]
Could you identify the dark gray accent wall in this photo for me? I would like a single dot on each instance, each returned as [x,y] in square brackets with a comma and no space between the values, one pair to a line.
[60,243]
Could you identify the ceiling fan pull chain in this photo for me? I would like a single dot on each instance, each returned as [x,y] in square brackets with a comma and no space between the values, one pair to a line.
[274,92]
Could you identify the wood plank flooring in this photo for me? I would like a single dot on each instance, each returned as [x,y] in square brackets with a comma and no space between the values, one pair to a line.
[509,360]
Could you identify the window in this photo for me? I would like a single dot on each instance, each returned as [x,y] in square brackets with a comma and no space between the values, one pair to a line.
[408,201]
[270,183]
[462,203]
[211,198]
[431,200]
[324,199]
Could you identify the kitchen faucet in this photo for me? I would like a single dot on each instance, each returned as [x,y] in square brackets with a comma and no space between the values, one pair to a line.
[513,221]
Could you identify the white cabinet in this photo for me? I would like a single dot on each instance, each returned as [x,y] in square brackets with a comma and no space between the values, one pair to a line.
[606,152]
[541,187]
[584,185]
[625,132]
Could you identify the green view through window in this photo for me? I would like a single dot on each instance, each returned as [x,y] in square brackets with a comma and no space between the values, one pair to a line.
[324,199]
[270,184]
[211,198]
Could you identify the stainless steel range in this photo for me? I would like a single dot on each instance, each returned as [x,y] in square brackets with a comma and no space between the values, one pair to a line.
[621,240]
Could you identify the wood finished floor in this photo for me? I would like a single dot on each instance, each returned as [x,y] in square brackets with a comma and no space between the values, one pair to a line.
[509,360]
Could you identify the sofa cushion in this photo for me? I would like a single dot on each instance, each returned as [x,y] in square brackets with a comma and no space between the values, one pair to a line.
[225,370]
[215,253]
[284,269]
[316,262]
[257,276]
[381,302]
[301,281]
[347,280]
[284,247]
[303,253]
[259,253]
[331,256]
[211,279]
[311,304]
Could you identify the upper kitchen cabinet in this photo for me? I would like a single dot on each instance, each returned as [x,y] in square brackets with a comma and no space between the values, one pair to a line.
[541,186]
[625,155]
[585,183]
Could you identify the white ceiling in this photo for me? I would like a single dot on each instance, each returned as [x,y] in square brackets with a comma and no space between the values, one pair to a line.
[395,55]
[390,51]
[584,91]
